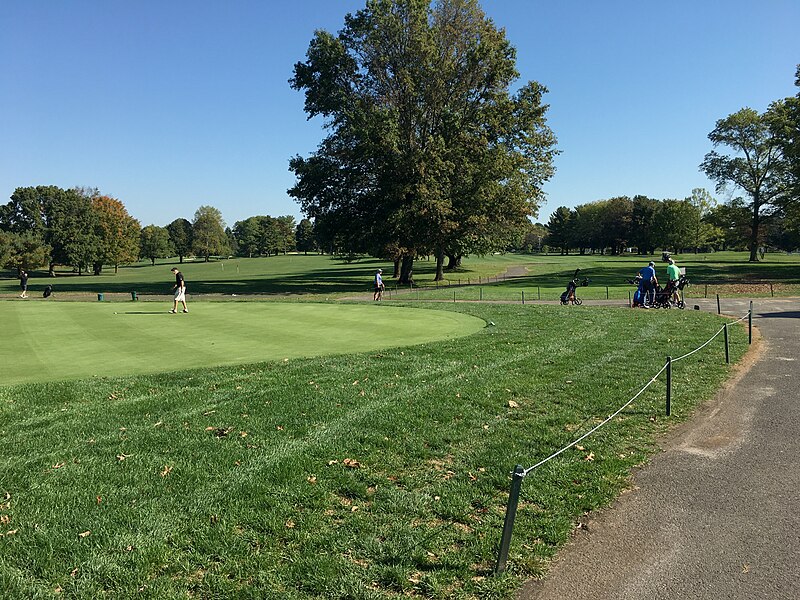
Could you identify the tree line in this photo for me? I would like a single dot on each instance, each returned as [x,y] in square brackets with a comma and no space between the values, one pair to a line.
[86,230]
[756,154]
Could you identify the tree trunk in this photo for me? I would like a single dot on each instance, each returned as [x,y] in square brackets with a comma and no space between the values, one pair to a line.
[406,270]
[754,230]
[453,261]
[439,266]
[180,256]
[152,261]
[396,270]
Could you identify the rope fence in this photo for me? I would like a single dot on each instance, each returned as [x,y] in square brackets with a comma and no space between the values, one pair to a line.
[520,472]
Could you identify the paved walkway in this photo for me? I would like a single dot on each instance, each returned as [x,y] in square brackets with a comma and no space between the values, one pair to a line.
[717,514]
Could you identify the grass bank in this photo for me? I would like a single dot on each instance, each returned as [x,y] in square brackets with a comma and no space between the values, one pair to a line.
[374,475]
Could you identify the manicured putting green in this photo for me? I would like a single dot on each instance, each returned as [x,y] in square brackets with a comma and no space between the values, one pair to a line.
[69,340]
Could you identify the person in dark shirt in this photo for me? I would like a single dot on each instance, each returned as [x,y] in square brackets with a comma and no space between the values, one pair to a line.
[23,283]
[180,291]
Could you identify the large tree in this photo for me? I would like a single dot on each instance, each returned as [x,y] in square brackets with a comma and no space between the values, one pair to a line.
[559,229]
[209,237]
[304,236]
[756,164]
[428,150]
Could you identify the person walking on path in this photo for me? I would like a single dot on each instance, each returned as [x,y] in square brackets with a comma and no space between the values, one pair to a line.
[649,283]
[180,291]
[379,287]
[23,283]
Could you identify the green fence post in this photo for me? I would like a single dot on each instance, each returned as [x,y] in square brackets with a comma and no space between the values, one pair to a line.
[727,351]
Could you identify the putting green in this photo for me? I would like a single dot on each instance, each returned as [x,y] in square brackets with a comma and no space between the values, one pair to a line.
[45,341]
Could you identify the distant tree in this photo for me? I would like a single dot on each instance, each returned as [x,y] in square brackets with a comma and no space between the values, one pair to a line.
[703,232]
[26,210]
[23,251]
[304,236]
[615,223]
[154,243]
[233,243]
[756,164]
[642,215]
[180,236]
[209,233]
[673,224]
[586,228]
[72,229]
[248,234]
[286,228]
[533,240]
[118,233]
[558,229]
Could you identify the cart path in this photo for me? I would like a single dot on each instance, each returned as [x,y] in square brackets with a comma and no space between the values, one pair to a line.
[716,514]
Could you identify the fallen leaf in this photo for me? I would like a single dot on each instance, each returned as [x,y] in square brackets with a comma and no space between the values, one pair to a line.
[242,434]
[312,480]
[73,572]
[333,462]
[12,532]
[353,508]
[512,404]
[581,448]
[289,524]
[589,457]
[351,463]
[167,470]
[58,465]
[86,533]
[99,499]
[121,457]
[472,477]
[5,519]
[58,590]
[159,423]
[280,428]
[745,568]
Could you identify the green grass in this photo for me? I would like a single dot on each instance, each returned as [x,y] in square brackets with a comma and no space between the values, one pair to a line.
[321,277]
[58,340]
[239,482]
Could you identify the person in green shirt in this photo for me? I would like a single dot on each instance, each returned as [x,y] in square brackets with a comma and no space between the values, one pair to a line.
[673,275]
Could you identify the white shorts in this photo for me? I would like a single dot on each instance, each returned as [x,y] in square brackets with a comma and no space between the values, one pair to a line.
[180,295]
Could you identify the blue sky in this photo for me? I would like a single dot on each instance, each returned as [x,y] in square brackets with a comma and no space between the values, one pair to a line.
[169,105]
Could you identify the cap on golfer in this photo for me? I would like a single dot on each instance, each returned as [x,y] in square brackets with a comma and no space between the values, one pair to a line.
[651,264]
[174,269]
[380,270]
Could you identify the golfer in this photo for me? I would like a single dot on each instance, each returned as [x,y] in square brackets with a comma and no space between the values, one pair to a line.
[379,287]
[180,291]
[23,283]
[649,283]
[673,276]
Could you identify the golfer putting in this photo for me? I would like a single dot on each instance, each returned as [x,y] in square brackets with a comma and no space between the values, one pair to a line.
[180,291]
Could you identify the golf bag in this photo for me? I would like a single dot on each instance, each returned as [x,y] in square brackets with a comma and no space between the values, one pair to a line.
[48,289]
[569,294]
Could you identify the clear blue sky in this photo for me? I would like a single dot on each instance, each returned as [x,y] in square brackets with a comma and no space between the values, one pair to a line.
[169,105]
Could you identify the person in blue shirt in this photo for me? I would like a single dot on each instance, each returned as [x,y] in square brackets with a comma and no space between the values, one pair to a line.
[648,284]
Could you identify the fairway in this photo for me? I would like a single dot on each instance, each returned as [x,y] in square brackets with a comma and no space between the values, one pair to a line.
[71,340]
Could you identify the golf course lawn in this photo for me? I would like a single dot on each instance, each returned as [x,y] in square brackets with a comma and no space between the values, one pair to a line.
[69,340]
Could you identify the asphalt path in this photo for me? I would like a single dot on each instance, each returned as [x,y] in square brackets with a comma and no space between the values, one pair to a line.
[717,513]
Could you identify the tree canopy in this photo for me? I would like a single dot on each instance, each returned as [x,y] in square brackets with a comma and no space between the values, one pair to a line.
[428,151]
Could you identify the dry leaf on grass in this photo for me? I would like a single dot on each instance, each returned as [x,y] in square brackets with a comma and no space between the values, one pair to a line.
[84,534]
[167,470]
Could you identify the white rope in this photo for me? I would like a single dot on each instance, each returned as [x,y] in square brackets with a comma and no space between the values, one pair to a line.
[700,348]
[591,431]
[627,404]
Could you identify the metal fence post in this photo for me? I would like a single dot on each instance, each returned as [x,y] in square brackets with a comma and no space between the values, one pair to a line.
[538,293]
[630,302]
[705,294]
[481,293]
[454,296]
[606,292]
[719,311]
[523,297]
[669,385]
[727,352]
[511,513]
[750,324]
